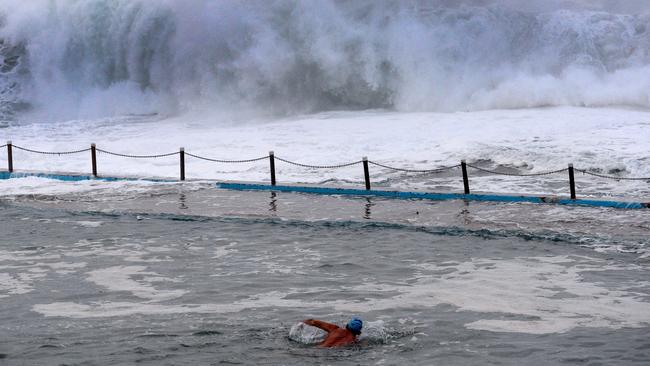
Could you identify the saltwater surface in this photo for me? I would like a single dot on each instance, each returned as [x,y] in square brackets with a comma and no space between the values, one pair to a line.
[188,274]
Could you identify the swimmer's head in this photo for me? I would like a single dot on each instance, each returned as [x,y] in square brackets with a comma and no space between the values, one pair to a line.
[354,326]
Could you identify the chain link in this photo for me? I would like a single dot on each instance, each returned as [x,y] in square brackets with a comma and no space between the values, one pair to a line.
[518,174]
[227,161]
[138,156]
[51,152]
[319,166]
[437,170]
[609,176]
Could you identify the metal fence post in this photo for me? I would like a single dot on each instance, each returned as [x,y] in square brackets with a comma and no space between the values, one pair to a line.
[182,157]
[272,166]
[10,157]
[572,182]
[93,158]
[366,172]
[463,166]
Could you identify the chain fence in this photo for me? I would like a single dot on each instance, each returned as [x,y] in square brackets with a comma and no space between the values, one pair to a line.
[319,166]
[228,161]
[138,156]
[50,152]
[313,166]
[426,171]
[612,177]
[517,174]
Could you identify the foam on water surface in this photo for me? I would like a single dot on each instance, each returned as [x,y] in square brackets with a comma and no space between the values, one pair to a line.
[551,291]
[17,284]
[121,279]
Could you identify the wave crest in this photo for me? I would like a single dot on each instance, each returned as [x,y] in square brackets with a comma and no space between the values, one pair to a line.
[106,57]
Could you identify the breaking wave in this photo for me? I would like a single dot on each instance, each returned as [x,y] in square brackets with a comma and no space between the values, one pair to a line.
[95,58]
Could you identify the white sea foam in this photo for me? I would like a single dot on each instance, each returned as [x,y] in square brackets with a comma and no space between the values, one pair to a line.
[21,257]
[126,252]
[120,278]
[223,251]
[20,271]
[547,294]
[19,283]
[63,267]
[22,278]
[306,334]
[49,187]
[120,309]
[92,224]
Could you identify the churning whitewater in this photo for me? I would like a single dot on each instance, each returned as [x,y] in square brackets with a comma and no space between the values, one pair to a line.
[98,58]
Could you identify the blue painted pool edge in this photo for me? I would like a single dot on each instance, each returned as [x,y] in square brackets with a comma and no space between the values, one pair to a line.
[430,195]
[348,191]
[77,177]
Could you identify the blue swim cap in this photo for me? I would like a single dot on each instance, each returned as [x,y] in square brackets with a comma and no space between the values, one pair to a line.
[354,326]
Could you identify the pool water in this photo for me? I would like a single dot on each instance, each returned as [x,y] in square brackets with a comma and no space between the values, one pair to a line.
[172,275]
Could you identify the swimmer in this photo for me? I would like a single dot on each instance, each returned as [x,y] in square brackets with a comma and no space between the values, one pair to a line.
[337,336]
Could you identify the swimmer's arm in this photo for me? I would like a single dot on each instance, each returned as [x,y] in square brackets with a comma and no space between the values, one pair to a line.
[328,327]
